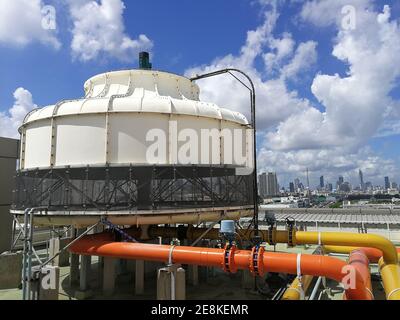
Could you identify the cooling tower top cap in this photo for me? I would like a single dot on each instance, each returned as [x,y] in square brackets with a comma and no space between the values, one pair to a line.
[140,90]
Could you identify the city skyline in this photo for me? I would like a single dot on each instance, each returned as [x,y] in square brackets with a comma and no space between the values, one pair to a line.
[361,184]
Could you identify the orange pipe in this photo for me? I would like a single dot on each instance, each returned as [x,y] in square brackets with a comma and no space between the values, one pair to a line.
[373,254]
[359,260]
[102,245]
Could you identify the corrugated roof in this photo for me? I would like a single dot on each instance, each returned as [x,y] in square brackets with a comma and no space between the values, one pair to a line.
[340,218]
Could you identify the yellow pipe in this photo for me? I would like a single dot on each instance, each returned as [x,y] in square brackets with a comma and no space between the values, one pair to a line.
[390,273]
[293,292]
[390,270]
[339,249]
[351,239]
[390,278]
[372,255]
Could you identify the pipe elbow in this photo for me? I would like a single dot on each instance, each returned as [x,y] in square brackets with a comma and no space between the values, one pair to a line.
[351,239]
[389,251]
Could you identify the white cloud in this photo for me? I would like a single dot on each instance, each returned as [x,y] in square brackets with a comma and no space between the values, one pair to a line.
[99,30]
[294,133]
[275,102]
[389,128]
[323,13]
[280,49]
[21,24]
[305,57]
[11,120]
[355,105]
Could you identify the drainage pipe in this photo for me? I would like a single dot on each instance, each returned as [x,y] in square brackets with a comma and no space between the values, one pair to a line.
[230,259]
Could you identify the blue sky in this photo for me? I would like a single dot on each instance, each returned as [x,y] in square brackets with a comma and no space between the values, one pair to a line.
[184,35]
[198,35]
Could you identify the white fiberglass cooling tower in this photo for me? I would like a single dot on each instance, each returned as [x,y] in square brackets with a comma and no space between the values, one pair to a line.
[124,148]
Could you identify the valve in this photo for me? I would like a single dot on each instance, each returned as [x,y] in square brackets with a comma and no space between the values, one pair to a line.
[290,223]
[227,231]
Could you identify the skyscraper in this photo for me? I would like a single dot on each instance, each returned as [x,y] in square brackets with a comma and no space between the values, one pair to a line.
[345,187]
[291,187]
[321,182]
[262,180]
[387,183]
[272,184]
[339,182]
[296,184]
[362,185]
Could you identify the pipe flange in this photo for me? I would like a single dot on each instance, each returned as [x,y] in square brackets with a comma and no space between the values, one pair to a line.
[290,224]
[256,261]
[228,264]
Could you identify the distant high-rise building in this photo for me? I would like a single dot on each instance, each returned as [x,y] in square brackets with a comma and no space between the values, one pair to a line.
[394,185]
[268,184]
[339,182]
[291,187]
[387,183]
[345,187]
[262,180]
[272,184]
[329,187]
[321,182]
[296,184]
[362,185]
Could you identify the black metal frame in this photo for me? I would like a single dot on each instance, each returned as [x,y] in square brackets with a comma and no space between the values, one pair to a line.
[132,188]
[253,122]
